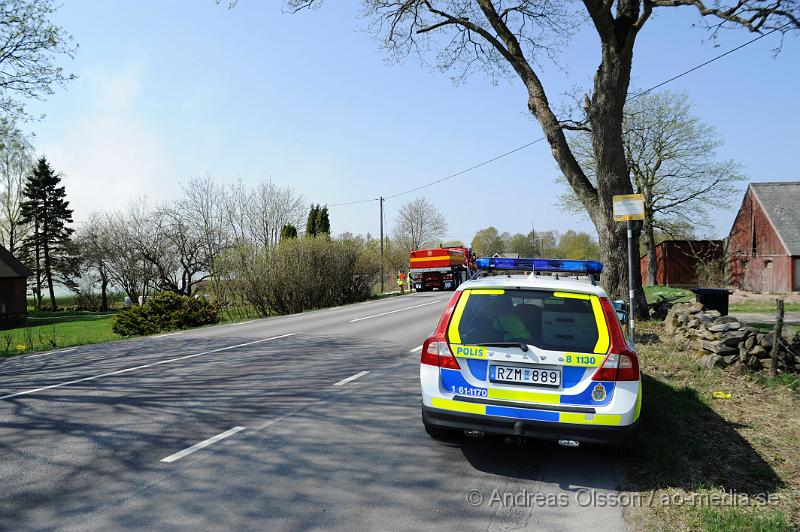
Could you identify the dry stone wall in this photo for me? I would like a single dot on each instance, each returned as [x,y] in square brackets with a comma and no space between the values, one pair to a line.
[723,341]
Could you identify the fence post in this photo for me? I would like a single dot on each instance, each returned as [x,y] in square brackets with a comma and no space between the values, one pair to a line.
[776,341]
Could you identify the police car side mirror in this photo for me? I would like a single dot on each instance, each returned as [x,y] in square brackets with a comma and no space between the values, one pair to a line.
[622,311]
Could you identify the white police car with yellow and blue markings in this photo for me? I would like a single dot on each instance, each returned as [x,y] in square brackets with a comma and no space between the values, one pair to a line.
[537,356]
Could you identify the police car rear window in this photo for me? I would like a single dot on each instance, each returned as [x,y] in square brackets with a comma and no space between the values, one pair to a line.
[539,318]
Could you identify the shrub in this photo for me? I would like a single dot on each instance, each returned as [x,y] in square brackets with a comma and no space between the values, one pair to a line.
[165,311]
[711,273]
[303,273]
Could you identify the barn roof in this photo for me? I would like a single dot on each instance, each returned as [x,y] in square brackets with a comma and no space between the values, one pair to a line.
[781,202]
[10,266]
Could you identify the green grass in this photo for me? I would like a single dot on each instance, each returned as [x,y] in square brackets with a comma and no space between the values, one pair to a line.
[788,380]
[55,330]
[762,306]
[788,328]
[715,519]
[653,292]
[695,445]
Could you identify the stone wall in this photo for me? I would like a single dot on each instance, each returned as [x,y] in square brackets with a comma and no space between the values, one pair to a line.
[724,341]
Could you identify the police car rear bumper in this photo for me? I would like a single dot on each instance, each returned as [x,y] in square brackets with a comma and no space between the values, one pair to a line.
[538,430]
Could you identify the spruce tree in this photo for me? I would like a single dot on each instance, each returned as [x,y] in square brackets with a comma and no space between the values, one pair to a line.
[288,231]
[46,208]
[311,224]
[323,222]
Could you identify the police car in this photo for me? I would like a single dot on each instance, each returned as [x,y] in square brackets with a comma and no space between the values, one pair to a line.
[537,356]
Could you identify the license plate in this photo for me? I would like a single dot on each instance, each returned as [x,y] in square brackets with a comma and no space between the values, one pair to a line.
[534,375]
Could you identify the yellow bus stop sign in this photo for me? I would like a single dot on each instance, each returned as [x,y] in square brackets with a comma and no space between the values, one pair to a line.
[628,207]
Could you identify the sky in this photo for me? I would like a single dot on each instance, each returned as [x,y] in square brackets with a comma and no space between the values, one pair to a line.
[168,91]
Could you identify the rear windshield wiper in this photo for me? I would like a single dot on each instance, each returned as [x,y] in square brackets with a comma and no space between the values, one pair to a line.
[521,345]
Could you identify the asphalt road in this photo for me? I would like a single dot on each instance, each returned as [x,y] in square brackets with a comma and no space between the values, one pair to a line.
[294,435]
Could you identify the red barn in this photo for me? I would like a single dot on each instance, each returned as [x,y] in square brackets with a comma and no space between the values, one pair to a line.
[13,286]
[677,261]
[764,242]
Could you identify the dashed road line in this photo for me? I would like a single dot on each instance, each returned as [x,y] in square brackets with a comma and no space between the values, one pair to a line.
[205,443]
[416,349]
[143,366]
[60,351]
[351,378]
[241,323]
[395,311]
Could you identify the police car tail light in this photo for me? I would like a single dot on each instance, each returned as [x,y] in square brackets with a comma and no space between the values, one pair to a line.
[621,364]
[436,350]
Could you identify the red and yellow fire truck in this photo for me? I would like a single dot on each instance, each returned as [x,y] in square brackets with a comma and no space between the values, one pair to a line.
[444,268]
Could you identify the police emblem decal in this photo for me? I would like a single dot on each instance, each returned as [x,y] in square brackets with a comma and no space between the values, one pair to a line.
[599,392]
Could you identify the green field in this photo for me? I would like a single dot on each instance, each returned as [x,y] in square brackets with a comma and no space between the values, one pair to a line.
[55,330]
[762,306]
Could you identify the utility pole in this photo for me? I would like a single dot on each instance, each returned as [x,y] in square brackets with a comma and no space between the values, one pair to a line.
[382,272]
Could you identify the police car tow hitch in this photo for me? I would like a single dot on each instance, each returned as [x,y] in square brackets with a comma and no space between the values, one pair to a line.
[474,433]
[569,443]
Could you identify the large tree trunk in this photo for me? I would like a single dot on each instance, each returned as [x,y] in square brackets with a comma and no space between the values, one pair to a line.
[38,252]
[650,245]
[48,273]
[103,294]
[605,113]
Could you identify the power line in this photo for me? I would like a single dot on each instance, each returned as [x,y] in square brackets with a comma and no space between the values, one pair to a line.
[701,65]
[519,148]
[353,202]
[471,168]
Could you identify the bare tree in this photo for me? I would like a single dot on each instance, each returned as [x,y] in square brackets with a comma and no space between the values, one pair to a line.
[16,162]
[672,157]
[418,223]
[510,37]
[204,207]
[118,243]
[92,240]
[237,205]
[29,46]
[172,245]
[271,208]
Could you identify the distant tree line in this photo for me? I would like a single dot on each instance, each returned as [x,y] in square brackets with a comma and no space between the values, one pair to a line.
[548,244]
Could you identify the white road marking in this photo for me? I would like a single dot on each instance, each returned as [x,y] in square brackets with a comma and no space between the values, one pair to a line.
[351,378]
[202,444]
[143,366]
[241,323]
[394,311]
[416,349]
[288,414]
[165,335]
[52,353]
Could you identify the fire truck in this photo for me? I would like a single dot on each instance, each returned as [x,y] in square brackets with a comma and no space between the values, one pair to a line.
[444,268]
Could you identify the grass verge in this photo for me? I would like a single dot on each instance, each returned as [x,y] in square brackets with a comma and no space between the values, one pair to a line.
[713,464]
[762,306]
[54,330]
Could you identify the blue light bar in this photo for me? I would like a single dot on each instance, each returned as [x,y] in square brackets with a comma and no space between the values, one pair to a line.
[540,265]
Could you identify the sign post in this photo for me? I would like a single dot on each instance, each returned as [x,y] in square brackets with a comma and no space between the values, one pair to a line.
[629,207]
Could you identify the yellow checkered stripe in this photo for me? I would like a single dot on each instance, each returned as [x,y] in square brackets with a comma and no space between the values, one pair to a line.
[563,417]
